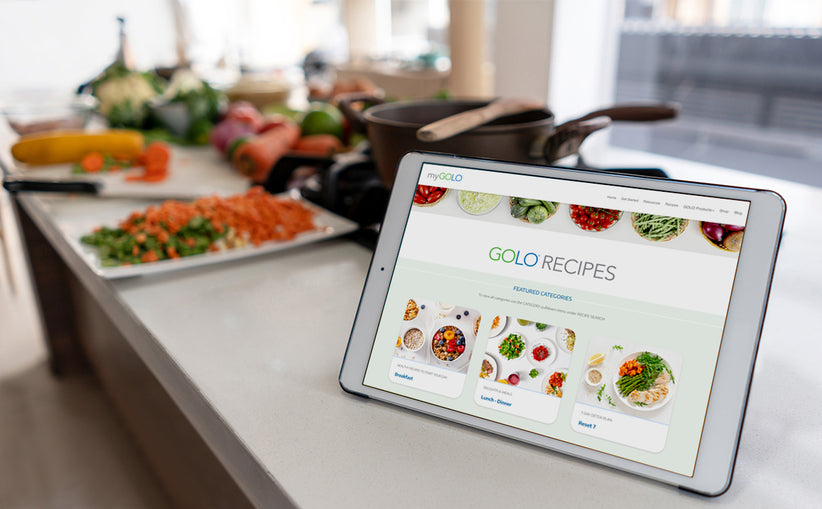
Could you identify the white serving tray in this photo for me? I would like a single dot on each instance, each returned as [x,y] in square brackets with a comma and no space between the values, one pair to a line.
[329,225]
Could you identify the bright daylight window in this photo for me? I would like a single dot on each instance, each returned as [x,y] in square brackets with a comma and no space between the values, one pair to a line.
[748,74]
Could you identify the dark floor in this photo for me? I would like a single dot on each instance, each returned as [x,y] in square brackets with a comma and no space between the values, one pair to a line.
[61,446]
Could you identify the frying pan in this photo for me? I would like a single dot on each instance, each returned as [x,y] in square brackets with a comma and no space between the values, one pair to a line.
[527,137]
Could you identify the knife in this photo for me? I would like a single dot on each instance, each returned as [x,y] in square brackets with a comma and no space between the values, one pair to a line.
[110,188]
[13,185]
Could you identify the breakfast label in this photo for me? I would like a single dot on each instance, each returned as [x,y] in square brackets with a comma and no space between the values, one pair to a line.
[434,345]
[426,377]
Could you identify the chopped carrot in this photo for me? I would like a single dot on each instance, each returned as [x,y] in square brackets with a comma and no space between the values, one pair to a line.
[155,162]
[255,215]
[157,152]
[149,256]
[92,162]
[154,177]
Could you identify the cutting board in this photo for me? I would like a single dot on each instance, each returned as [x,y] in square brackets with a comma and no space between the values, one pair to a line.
[193,172]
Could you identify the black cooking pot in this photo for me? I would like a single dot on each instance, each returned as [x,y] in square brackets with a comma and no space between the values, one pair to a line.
[528,137]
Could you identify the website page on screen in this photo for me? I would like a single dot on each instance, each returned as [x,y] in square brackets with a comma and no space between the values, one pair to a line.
[587,313]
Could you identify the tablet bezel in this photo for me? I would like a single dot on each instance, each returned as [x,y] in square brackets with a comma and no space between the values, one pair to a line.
[719,443]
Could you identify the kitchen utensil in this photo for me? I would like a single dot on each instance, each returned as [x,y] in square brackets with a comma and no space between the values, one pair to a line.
[526,137]
[193,172]
[467,120]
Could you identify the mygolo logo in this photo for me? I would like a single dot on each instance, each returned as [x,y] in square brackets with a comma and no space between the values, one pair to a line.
[452,177]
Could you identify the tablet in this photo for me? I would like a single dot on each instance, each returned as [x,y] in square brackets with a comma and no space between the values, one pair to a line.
[612,318]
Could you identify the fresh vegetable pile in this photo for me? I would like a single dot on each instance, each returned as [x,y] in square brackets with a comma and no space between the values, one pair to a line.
[532,211]
[254,142]
[512,346]
[175,229]
[594,219]
[428,195]
[124,95]
[182,110]
[724,236]
[639,374]
[657,228]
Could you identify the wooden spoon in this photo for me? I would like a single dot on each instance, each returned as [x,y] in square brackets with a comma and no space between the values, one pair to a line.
[467,120]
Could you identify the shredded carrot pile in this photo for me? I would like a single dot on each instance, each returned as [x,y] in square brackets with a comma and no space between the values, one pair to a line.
[257,214]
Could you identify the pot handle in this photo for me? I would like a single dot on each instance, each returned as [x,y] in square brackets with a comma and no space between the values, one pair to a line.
[355,117]
[637,112]
[567,137]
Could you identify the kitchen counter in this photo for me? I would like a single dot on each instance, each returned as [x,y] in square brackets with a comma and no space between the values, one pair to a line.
[249,353]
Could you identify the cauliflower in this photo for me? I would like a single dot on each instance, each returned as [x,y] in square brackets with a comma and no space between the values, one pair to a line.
[132,88]
[123,95]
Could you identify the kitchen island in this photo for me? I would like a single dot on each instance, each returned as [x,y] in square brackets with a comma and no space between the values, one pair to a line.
[227,377]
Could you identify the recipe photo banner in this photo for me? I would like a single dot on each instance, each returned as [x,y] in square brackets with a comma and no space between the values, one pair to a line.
[701,208]
[686,280]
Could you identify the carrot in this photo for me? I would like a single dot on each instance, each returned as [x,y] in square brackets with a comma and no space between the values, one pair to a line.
[157,152]
[92,162]
[320,144]
[257,157]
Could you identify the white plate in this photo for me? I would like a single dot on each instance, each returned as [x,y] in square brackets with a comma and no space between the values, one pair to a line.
[404,331]
[548,377]
[459,202]
[328,225]
[494,364]
[458,363]
[562,338]
[524,350]
[503,321]
[552,349]
[653,406]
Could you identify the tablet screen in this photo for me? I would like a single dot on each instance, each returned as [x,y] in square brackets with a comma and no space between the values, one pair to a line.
[587,313]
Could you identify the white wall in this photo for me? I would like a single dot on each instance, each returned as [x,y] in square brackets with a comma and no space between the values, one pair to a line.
[54,44]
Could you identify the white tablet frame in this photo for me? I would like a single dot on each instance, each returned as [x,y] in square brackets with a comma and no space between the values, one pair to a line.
[729,395]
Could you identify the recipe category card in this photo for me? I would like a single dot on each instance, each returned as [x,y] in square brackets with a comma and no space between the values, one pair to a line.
[627,394]
[525,368]
[434,346]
